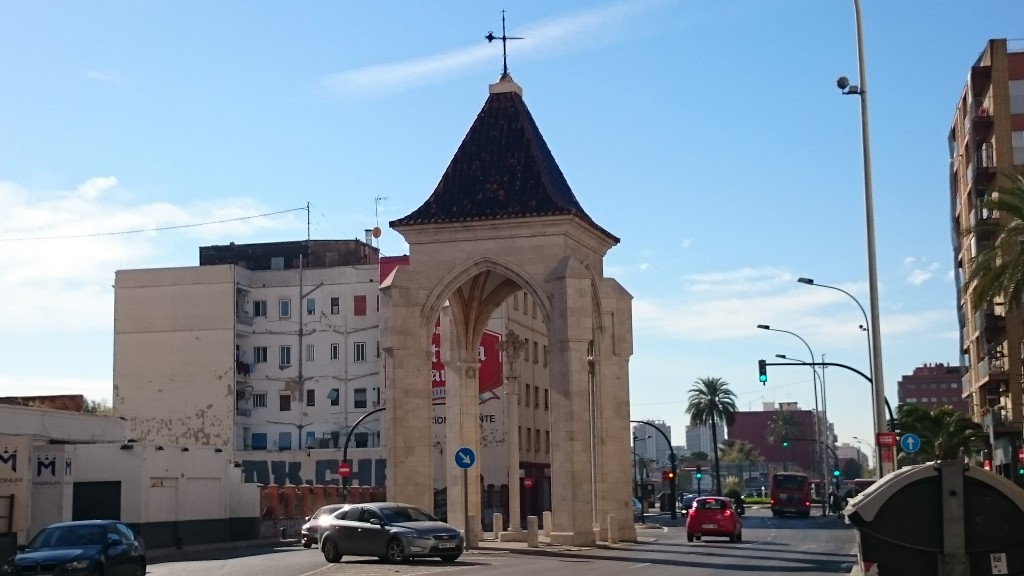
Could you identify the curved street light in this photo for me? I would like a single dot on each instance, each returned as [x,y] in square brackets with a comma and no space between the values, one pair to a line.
[866,327]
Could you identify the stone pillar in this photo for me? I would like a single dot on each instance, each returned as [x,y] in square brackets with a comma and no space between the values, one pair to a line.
[405,343]
[532,539]
[570,332]
[497,523]
[462,422]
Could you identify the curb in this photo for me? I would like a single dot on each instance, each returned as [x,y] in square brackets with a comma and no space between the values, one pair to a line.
[160,555]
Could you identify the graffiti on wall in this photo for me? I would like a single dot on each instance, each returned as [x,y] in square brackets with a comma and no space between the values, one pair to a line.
[365,472]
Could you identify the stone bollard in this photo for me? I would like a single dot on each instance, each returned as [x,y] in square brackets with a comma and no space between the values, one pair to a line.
[473,532]
[547,523]
[497,524]
[613,536]
[531,532]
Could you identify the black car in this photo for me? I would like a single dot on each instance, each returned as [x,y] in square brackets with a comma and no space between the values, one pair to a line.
[85,548]
[390,531]
[310,534]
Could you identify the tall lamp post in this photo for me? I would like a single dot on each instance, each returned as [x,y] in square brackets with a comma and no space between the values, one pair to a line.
[814,372]
[866,328]
[869,211]
[820,434]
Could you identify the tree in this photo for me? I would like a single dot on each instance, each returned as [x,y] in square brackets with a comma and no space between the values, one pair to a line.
[739,451]
[710,402]
[98,407]
[852,469]
[997,274]
[782,427]
[945,434]
[699,456]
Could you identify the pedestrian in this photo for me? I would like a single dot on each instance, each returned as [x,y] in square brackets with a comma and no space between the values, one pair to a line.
[834,502]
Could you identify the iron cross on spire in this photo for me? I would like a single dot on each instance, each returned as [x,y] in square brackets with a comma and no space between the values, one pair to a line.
[504,43]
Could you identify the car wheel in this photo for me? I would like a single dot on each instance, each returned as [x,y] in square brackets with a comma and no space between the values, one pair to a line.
[732,538]
[739,536]
[330,549]
[395,552]
[689,537]
[447,558]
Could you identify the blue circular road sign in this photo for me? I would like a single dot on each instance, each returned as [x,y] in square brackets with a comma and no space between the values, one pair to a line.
[464,457]
[910,442]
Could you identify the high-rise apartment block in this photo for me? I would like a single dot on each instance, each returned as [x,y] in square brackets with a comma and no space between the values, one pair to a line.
[932,386]
[986,142]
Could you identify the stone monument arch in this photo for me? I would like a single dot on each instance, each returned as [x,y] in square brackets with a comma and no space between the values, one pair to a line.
[503,219]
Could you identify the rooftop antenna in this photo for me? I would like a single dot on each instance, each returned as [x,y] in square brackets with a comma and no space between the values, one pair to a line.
[376,217]
[504,44]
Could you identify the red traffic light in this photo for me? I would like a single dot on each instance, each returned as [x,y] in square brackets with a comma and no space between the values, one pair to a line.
[667,475]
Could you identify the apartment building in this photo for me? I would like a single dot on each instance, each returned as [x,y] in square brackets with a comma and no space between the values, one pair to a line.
[986,141]
[932,386]
[272,351]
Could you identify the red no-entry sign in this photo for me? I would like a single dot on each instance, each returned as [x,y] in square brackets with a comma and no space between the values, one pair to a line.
[344,469]
[527,482]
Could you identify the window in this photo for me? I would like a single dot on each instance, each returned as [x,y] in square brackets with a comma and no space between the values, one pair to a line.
[515,301]
[526,303]
[533,312]
[359,398]
[526,351]
[334,397]
[259,440]
[1016,98]
[362,439]
[545,355]
[547,441]
[310,397]
[536,357]
[335,351]
[259,400]
[520,438]
[311,439]
[359,305]
[310,352]
[911,400]
[335,305]
[259,308]
[546,405]
[259,354]
[536,396]
[285,355]
[284,440]
[310,306]
[378,348]
[285,402]
[359,351]
[527,394]
[284,308]
[529,437]
[536,439]
[1017,141]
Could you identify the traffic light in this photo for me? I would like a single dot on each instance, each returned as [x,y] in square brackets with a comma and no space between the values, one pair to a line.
[785,442]
[762,372]
[1020,469]
[667,475]
[835,473]
[699,473]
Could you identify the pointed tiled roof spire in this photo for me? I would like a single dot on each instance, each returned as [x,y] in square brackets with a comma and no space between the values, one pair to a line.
[503,169]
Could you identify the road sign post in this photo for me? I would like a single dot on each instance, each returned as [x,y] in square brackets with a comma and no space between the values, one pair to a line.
[344,469]
[465,458]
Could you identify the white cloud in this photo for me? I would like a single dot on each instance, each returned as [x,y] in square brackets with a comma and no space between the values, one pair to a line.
[59,250]
[105,76]
[644,266]
[919,276]
[562,33]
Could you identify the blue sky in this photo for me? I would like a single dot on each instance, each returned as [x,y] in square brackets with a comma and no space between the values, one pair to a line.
[708,135]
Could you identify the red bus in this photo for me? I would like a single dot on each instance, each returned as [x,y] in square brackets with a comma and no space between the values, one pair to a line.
[790,494]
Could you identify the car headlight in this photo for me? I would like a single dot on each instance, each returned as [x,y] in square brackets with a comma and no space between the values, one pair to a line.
[77,565]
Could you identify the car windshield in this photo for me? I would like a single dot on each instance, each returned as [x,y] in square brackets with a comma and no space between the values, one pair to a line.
[711,504]
[69,536]
[790,482]
[327,511]
[399,514]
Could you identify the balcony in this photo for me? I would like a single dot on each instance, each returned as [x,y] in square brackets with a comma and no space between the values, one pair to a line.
[244,412]
[992,370]
[982,169]
[981,79]
[243,318]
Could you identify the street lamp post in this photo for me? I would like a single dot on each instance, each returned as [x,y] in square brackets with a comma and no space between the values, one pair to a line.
[870,447]
[814,372]
[820,428]
[866,327]
[869,212]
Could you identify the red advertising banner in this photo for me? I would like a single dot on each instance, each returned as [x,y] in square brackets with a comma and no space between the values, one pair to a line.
[490,366]
[886,439]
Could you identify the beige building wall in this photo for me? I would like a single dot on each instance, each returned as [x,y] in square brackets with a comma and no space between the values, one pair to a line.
[174,338]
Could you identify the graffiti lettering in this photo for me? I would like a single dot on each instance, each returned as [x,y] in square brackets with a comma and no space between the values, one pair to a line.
[365,472]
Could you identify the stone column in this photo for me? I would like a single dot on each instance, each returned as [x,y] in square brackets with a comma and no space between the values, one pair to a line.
[462,420]
[570,332]
[511,349]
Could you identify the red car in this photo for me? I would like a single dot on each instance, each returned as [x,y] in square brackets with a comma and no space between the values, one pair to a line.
[713,516]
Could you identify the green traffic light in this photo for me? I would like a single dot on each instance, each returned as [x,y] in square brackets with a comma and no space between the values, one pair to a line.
[835,473]
[762,371]
[785,443]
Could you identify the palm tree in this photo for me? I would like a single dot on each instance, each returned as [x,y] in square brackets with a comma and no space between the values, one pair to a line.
[997,274]
[945,434]
[782,426]
[710,402]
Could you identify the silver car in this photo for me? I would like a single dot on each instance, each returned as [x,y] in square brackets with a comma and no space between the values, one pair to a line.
[310,533]
[390,531]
